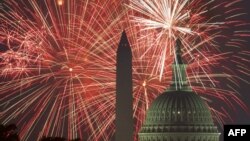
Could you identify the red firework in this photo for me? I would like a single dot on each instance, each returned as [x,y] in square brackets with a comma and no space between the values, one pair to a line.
[57,61]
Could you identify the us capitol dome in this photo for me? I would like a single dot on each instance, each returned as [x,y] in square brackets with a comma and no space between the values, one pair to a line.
[179,114]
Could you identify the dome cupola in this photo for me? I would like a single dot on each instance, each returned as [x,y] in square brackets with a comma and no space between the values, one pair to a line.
[179,114]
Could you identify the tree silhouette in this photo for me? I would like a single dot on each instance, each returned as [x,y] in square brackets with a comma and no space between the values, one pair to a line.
[57,139]
[52,139]
[78,139]
[8,133]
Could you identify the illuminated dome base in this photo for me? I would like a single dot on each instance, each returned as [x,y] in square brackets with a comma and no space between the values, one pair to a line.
[179,116]
[177,136]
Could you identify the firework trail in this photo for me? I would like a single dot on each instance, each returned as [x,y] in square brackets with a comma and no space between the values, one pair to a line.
[57,61]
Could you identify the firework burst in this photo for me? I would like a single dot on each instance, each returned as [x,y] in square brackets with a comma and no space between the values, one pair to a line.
[57,60]
[58,68]
[193,22]
[204,28]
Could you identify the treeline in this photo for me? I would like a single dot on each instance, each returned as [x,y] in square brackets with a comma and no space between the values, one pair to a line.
[56,139]
[10,133]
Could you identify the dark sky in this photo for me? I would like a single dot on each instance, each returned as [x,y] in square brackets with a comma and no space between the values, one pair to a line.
[241,116]
[244,88]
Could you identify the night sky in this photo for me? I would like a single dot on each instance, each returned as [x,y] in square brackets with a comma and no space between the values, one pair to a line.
[244,87]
